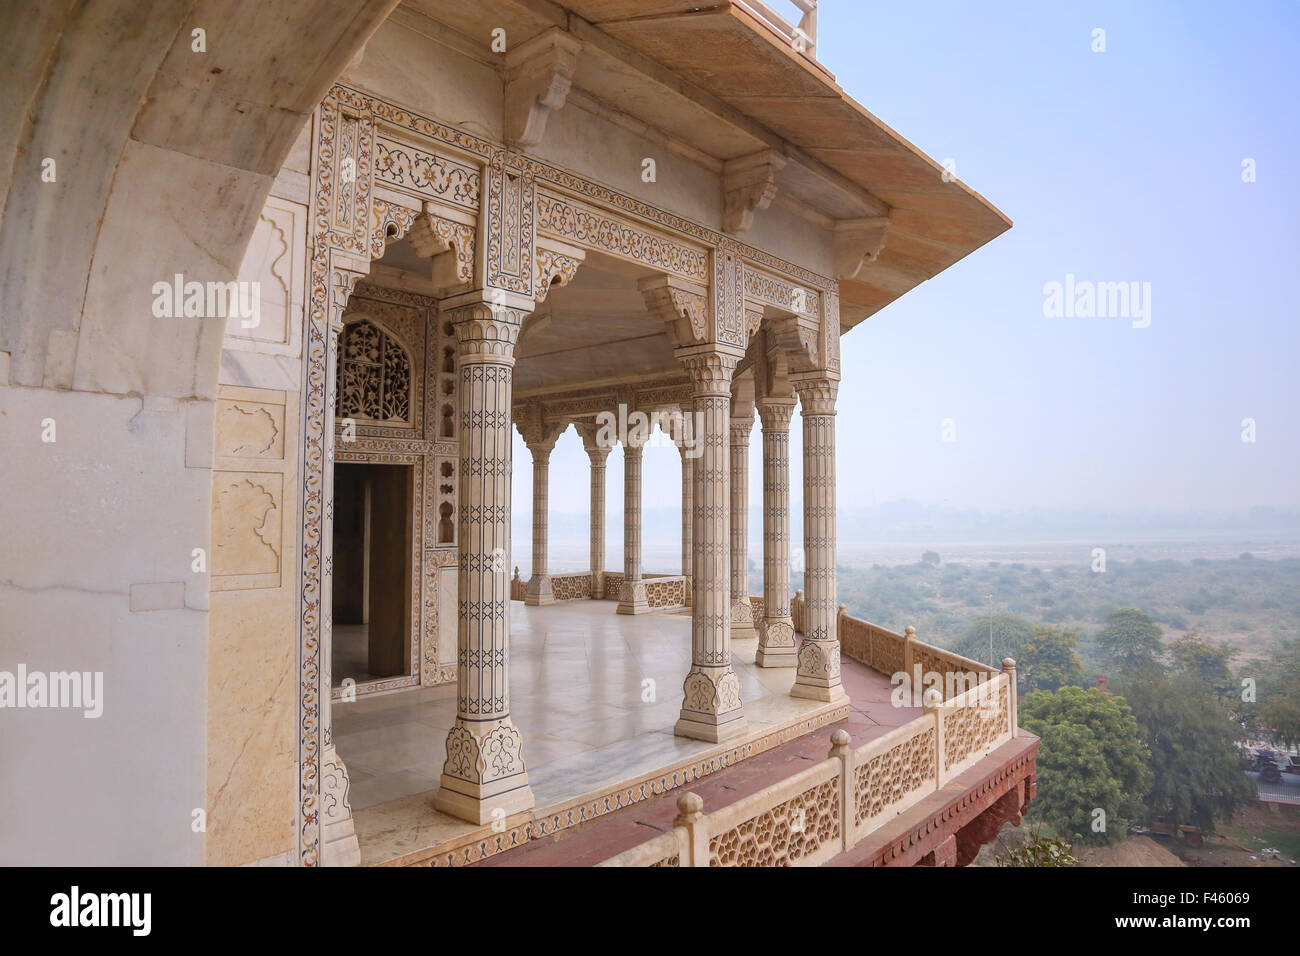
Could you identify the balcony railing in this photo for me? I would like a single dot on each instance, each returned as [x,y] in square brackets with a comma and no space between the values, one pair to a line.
[802,36]
[829,808]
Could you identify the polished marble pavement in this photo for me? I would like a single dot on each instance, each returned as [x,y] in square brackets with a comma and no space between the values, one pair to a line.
[594,694]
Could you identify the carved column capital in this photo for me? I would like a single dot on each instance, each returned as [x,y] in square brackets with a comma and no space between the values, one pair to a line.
[816,394]
[710,370]
[776,416]
[589,432]
[485,332]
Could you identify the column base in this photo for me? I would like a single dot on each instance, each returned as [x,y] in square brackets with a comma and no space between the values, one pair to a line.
[481,809]
[484,778]
[598,585]
[711,708]
[538,591]
[338,838]
[632,599]
[742,615]
[776,643]
[818,677]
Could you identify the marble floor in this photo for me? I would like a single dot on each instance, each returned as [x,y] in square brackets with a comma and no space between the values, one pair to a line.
[594,694]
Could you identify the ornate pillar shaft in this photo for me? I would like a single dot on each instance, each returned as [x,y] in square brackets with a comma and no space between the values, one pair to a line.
[818,675]
[688,518]
[776,630]
[711,709]
[742,615]
[539,584]
[597,523]
[484,775]
[632,597]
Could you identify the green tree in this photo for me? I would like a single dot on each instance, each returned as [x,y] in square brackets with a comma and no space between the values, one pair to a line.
[1049,659]
[1207,662]
[1090,758]
[1194,760]
[1278,692]
[1130,639]
[1009,633]
[931,558]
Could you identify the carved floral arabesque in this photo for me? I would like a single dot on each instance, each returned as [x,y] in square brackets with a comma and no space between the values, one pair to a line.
[427,173]
[575,222]
[488,151]
[552,268]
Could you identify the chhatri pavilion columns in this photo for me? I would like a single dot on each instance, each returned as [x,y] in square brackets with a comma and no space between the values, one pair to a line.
[776,629]
[818,674]
[597,454]
[484,776]
[540,437]
[632,594]
[711,708]
[742,423]
[686,448]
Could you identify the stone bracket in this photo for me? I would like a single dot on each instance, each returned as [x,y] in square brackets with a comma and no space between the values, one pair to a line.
[539,74]
[683,306]
[857,242]
[748,185]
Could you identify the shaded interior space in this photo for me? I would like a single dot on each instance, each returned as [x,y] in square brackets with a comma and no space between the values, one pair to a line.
[595,697]
[593,330]
[371,597]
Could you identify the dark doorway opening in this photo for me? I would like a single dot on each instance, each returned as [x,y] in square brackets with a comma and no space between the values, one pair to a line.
[372,571]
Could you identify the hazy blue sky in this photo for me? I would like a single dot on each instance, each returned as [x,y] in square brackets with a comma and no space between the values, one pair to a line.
[1117,166]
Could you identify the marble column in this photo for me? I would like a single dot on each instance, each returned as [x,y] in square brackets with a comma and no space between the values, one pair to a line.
[742,614]
[597,454]
[632,596]
[818,675]
[685,447]
[538,591]
[776,630]
[711,708]
[484,777]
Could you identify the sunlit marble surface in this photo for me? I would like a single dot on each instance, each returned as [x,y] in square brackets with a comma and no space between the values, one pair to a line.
[580,696]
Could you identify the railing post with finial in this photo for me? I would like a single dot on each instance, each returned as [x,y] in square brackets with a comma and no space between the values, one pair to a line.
[909,659]
[690,816]
[1009,668]
[848,813]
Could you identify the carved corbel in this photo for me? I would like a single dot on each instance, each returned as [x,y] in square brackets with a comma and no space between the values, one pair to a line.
[538,434]
[681,305]
[555,263]
[858,242]
[798,339]
[538,76]
[748,185]
[772,372]
[450,244]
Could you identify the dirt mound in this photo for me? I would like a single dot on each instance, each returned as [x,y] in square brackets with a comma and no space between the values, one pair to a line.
[1135,851]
